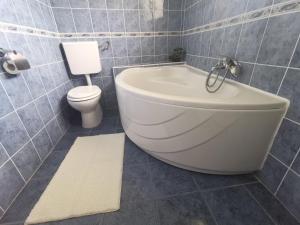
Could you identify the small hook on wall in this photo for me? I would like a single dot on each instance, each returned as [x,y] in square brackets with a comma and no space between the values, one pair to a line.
[104,46]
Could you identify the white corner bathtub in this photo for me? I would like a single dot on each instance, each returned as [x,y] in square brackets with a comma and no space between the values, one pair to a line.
[168,113]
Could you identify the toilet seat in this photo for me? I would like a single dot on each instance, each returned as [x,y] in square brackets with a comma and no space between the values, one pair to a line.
[83,93]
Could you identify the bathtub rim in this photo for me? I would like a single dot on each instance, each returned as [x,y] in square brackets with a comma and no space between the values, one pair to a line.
[281,103]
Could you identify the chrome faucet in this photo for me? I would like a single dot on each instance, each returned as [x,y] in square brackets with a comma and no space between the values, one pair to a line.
[227,63]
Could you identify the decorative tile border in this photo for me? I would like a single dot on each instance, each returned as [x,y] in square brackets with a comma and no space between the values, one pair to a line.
[271,11]
[6,27]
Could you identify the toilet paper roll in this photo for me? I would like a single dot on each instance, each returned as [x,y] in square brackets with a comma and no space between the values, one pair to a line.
[14,62]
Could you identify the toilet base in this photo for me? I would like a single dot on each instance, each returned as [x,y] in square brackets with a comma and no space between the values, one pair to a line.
[92,119]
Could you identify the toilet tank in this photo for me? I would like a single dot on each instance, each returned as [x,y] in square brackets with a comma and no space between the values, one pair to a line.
[83,57]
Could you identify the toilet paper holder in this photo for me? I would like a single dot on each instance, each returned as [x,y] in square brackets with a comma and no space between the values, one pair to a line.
[13,62]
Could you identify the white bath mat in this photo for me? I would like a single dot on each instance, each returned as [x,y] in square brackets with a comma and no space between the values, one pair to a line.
[87,182]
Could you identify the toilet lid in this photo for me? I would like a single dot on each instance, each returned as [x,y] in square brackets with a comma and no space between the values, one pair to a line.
[84,92]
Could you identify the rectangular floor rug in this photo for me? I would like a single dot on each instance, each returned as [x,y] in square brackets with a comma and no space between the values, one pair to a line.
[87,182]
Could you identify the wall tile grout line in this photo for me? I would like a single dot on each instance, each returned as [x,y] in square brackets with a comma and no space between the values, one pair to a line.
[264,210]
[276,197]
[288,66]
[240,34]
[29,179]
[15,110]
[216,22]
[288,169]
[261,42]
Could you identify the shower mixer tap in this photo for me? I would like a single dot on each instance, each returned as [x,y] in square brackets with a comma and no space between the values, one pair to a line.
[227,63]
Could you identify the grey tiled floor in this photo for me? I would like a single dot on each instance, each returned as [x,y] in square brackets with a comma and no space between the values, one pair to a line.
[154,193]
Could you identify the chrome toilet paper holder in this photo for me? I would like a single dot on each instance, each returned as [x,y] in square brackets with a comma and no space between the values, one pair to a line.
[13,62]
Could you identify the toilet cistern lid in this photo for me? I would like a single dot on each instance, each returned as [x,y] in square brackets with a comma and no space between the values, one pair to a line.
[83,92]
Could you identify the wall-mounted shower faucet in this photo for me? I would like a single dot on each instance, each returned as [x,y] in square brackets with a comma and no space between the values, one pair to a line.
[226,63]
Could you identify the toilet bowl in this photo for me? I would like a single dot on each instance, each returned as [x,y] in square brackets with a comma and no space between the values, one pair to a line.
[85,99]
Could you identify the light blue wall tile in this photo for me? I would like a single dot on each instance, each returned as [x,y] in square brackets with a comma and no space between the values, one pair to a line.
[267,78]
[6,106]
[107,64]
[146,21]
[27,160]
[37,14]
[296,57]
[290,89]
[24,13]
[60,3]
[132,22]
[34,82]
[280,39]
[54,100]
[250,39]
[99,4]
[175,21]
[82,19]
[31,119]
[11,184]
[287,142]
[161,45]
[119,47]
[114,4]
[174,4]
[257,4]
[7,12]
[79,3]
[134,46]
[131,4]
[147,45]
[54,131]
[116,20]
[44,108]
[64,20]
[46,77]
[99,20]
[3,155]
[12,133]
[160,20]
[13,83]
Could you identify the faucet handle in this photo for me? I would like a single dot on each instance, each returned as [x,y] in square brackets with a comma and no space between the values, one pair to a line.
[232,65]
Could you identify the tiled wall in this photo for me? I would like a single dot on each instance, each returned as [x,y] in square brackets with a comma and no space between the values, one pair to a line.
[34,112]
[139,32]
[33,103]
[265,39]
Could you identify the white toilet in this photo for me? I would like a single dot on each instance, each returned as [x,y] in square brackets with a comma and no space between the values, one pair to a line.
[83,59]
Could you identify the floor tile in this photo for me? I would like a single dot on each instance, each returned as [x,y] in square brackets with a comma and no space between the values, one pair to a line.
[184,210]
[162,170]
[134,213]
[50,165]
[234,206]
[133,154]
[174,185]
[289,193]
[273,207]
[136,184]
[25,201]
[107,126]
[84,220]
[208,181]
[66,142]
[79,130]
